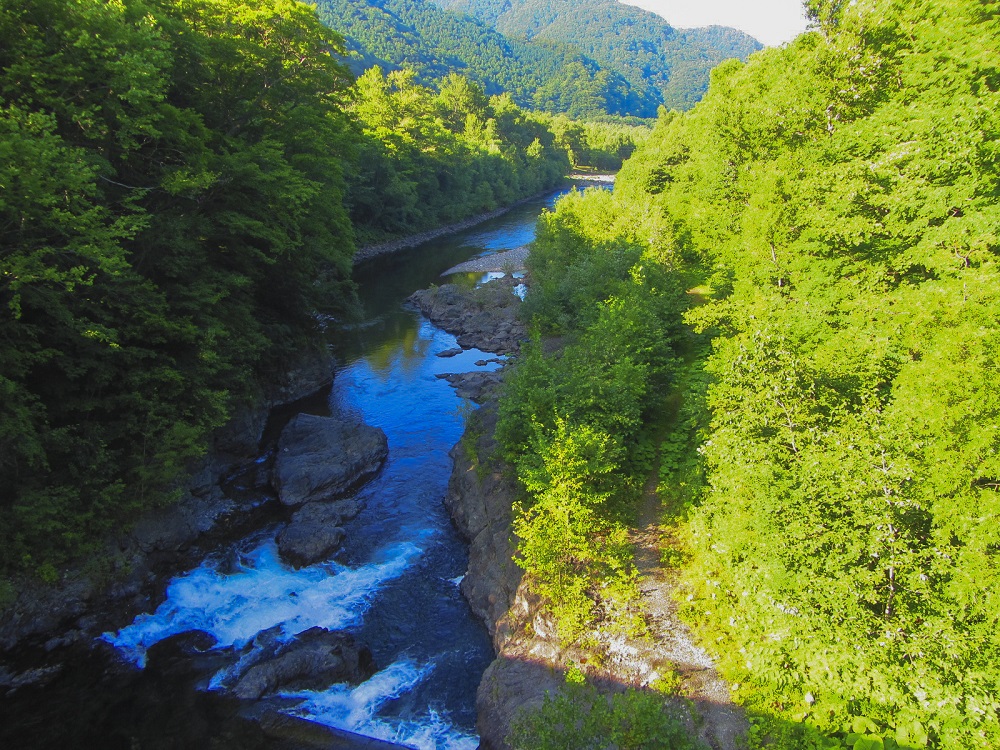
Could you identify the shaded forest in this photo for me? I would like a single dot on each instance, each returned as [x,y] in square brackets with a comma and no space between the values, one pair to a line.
[182,187]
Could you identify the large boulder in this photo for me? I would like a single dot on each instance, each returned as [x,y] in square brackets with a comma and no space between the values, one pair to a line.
[314,532]
[300,545]
[315,659]
[320,458]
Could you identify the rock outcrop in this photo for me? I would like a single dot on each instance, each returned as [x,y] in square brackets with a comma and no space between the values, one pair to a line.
[532,660]
[320,458]
[485,318]
[479,500]
[480,495]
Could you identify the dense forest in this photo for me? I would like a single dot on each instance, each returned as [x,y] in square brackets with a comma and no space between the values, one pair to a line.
[171,191]
[418,35]
[787,315]
[588,59]
[182,186]
[638,45]
[430,157]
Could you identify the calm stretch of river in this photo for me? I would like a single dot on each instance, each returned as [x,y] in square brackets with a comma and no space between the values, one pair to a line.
[395,582]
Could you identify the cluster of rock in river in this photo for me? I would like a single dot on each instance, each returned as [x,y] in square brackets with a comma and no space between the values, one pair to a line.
[484,318]
[320,459]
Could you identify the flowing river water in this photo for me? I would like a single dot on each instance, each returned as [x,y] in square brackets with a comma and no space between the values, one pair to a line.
[394,584]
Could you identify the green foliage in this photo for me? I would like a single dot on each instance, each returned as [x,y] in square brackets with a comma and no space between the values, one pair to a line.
[841,193]
[580,718]
[169,197]
[662,65]
[603,145]
[572,422]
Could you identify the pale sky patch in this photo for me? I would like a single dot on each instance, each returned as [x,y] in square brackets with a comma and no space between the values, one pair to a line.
[772,22]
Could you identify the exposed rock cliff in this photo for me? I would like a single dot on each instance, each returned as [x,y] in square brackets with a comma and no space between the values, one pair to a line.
[531,659]
[480,495]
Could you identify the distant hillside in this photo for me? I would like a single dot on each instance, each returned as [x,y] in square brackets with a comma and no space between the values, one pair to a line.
[587,58]
[545,75]
[635,43]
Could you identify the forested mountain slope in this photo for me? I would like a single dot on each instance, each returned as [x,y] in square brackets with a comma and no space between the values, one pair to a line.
[833,210]
[586,59]
[635,43]
[418,35]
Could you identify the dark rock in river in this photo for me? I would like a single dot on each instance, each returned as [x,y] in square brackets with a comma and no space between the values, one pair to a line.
[329,514]
[322,457]
[184,656]
[314,659]
[305,544]
[314,532]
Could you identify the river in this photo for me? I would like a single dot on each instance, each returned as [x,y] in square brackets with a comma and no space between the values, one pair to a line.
[394,584]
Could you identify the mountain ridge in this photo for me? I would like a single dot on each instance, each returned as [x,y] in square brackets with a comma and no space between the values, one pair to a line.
[636,43]
[528,49]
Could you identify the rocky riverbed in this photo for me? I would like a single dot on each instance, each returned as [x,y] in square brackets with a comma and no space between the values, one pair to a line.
[483,318]
[301,481]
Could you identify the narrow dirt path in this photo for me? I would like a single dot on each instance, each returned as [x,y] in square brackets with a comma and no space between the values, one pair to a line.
[721,723]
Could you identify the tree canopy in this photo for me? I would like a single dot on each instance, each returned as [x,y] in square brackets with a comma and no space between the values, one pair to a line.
[831,206]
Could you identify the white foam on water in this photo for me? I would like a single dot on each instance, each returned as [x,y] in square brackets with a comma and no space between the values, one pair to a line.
[355,709]
[433,733]
[260,594]
[489,276]
[457,581]
[521,290]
